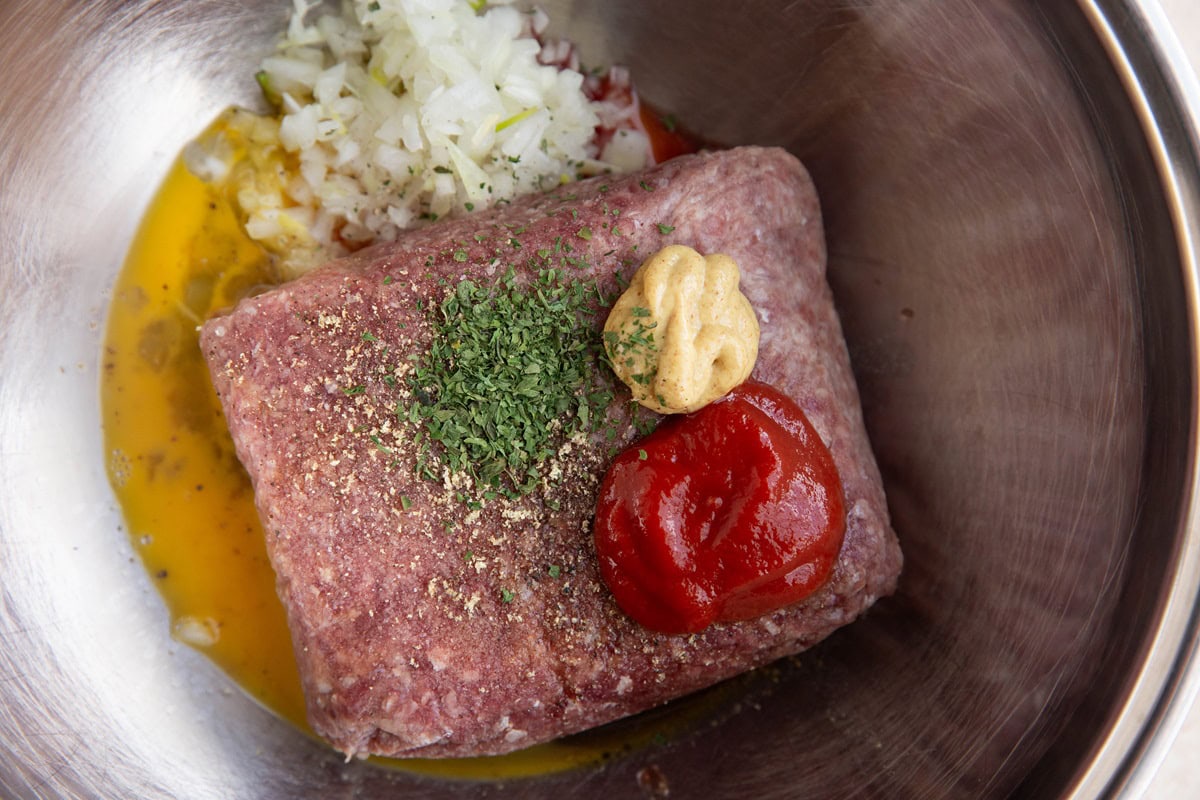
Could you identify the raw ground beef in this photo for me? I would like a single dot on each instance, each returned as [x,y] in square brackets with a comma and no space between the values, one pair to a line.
[425,627]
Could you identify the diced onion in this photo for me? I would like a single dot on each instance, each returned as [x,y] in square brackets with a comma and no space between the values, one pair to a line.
[396,112]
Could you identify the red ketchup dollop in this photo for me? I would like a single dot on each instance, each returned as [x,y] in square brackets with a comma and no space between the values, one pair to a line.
[721,515]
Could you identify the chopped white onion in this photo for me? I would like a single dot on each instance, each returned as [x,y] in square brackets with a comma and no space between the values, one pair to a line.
[395,112]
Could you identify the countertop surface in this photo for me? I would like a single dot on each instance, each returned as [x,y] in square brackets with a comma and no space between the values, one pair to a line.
[1179,774]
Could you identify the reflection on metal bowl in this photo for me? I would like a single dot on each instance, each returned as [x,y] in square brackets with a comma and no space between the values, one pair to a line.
[1006,188]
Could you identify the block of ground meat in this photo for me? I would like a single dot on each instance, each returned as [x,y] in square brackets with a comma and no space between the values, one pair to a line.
[430,621]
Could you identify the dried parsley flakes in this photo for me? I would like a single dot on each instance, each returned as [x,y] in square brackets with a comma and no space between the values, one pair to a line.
[512,372]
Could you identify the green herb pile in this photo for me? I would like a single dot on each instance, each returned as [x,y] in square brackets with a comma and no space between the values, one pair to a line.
[513,371]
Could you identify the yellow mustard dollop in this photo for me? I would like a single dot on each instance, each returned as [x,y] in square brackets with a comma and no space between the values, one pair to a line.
[682,334]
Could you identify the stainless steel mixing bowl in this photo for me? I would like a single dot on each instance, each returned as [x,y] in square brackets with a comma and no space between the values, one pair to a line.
[1010,190]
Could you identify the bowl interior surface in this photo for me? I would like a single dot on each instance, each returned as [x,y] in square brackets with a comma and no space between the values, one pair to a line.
[1012,296]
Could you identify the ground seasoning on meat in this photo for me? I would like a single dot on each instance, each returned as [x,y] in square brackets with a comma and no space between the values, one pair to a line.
[512,372]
